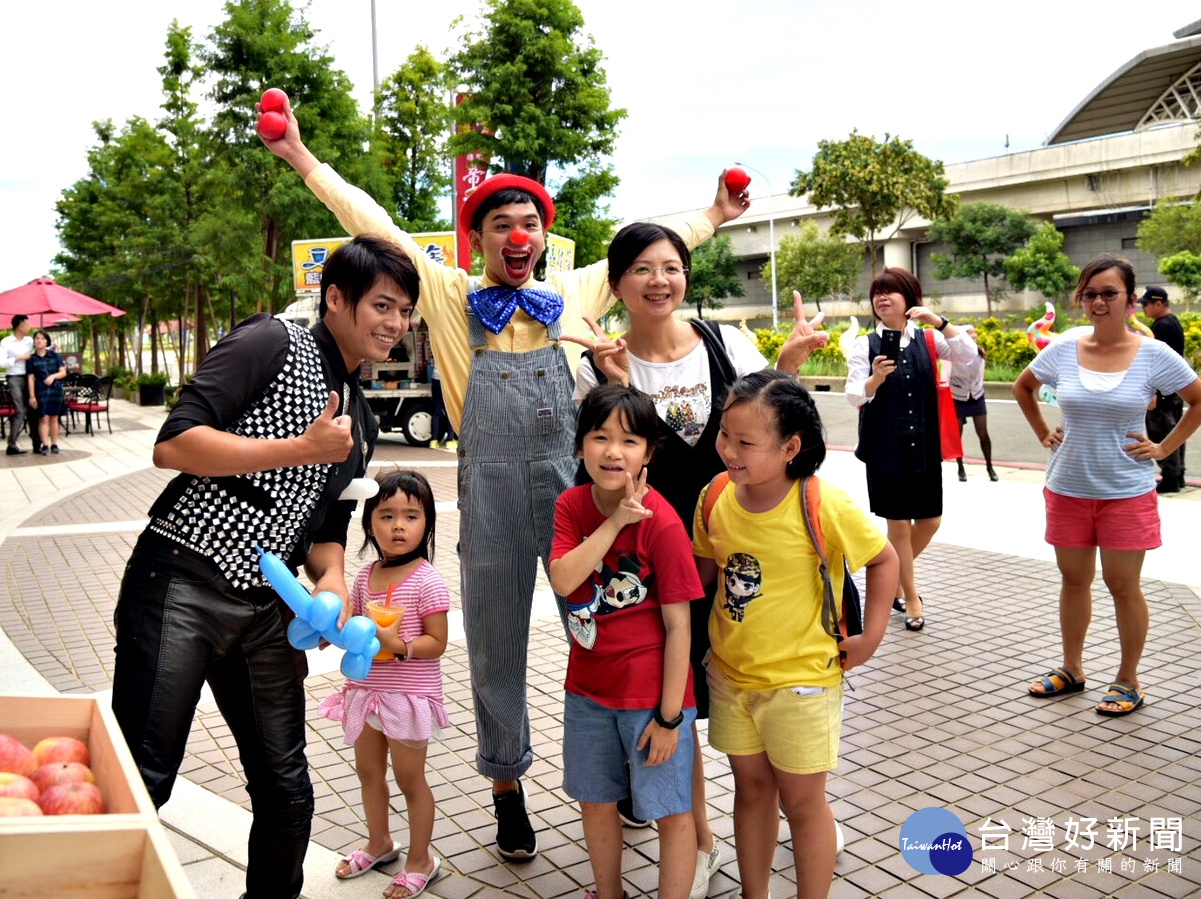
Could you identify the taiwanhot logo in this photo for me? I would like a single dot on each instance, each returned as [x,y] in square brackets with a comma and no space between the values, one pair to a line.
[934,841]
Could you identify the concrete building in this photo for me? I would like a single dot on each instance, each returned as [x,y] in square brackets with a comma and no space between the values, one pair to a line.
[1100,172]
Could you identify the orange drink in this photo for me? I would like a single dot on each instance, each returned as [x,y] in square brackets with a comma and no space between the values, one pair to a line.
[384,615]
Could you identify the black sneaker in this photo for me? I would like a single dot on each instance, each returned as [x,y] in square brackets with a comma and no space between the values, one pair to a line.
[515,837]
[625,811]
[54,448]
[44,450]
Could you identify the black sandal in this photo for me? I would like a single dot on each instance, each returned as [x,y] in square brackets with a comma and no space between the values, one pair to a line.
[916,624]
[898,604]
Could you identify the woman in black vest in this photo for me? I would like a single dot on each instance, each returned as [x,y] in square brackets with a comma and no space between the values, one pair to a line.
[898,420]
[686,368]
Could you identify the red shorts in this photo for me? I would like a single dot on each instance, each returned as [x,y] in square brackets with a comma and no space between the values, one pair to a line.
[1123,524]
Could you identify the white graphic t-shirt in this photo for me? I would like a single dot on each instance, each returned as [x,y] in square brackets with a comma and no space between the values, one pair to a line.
[681,390]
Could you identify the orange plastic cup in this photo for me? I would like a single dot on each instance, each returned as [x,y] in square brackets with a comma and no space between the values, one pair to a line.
[384,616]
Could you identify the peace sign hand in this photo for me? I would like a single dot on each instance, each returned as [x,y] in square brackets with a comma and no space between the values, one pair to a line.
[630,510]
[804,339]
[611,356]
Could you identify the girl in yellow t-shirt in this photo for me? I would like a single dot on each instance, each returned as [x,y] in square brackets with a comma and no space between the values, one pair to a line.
[775,674]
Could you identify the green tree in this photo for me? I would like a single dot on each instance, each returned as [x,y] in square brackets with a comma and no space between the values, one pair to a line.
[581,215]
[182,128]
[1042,265]
[980,237]
[714,275]
[112,221]
[818,264]
[871,185]
[1183,268]
[1171,228]
[412,124]
[260,44]
[537,86]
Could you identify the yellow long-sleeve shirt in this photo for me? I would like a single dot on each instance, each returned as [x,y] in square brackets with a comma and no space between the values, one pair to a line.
[443,302]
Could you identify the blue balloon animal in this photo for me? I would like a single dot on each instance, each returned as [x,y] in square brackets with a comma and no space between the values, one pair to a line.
[317,617]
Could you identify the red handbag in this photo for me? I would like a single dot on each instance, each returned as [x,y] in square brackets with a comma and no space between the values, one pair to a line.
[948,421]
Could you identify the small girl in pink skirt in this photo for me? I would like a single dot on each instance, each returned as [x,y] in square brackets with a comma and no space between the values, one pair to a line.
[398,707]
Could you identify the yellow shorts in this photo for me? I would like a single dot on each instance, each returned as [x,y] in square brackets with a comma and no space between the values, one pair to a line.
[798,727]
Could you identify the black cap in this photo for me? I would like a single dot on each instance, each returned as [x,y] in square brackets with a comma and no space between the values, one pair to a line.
[1153,293]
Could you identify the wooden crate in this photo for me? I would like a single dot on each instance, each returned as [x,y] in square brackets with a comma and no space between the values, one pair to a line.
[32,718]
[107,861]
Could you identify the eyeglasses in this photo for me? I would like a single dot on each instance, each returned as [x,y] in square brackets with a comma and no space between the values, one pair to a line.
[1108,296]
[668,271]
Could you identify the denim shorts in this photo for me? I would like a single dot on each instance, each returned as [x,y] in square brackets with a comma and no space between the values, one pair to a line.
[599,741]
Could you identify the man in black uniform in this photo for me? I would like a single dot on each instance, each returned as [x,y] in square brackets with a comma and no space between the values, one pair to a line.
[267,436]
[1168,409]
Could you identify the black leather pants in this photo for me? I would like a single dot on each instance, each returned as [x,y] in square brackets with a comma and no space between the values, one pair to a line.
[180,623]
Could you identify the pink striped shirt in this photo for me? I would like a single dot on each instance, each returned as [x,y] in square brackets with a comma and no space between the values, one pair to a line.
[422,593]
[403,698]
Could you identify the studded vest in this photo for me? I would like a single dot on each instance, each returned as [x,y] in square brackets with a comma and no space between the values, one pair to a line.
[222,518]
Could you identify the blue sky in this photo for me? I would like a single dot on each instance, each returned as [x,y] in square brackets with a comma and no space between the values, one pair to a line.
[761,81]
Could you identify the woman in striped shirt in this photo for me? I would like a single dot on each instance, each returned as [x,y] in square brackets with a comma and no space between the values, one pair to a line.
[1100,486]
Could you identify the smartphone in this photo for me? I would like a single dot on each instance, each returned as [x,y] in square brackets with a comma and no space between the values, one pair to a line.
[890,343]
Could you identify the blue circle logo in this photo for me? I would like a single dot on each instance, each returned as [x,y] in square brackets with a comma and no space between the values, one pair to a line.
[934,841]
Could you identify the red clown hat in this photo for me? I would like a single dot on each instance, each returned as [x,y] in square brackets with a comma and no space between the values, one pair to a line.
[491,185]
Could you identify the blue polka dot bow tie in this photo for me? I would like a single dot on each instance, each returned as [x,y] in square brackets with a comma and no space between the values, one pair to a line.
[496,305]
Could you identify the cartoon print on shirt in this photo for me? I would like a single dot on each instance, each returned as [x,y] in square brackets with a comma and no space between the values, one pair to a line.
[684,409]
[743,576]
[611,591]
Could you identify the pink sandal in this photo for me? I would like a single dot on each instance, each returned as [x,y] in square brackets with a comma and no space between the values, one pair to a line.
[360,862]
[415,882]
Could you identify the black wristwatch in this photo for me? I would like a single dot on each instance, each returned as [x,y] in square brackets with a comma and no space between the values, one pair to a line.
[945,322]
[669,725]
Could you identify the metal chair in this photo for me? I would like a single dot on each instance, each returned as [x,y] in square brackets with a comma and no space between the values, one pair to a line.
[92,397]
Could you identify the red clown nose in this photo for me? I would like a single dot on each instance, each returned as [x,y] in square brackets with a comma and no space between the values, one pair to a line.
[520,237]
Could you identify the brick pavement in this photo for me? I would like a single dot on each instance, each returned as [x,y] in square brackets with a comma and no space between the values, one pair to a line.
[936,719]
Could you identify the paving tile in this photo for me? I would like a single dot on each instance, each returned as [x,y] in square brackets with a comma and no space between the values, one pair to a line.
[916,732]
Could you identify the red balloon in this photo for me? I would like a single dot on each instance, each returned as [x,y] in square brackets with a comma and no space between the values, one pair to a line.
[737,180]
[274,100]
[272,125]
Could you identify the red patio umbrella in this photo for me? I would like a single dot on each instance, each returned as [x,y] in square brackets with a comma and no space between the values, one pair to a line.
[45,300]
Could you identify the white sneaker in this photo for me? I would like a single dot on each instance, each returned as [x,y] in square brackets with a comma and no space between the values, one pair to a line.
[707,864]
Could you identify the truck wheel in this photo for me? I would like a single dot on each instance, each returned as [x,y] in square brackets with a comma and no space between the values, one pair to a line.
[417,422]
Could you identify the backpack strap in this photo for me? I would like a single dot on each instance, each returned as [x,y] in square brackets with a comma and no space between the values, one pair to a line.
[811,497]
[601,377]
[711,334]
[712,491]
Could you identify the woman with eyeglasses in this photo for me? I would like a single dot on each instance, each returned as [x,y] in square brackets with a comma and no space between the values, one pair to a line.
[686,368]
[1100,484]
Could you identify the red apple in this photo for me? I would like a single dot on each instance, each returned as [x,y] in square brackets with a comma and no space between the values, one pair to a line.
[736,180]
[11,807]
[72,799]
[61,749]
[272,125]
[274,100]
[15,756]
[17,787]
[57,773]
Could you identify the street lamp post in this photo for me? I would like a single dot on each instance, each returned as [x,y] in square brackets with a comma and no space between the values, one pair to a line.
[771,239]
